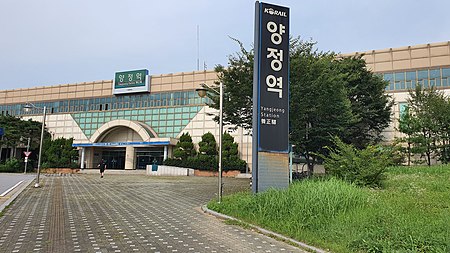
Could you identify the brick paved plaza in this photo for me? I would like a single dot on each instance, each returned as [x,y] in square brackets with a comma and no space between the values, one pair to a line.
[125,213]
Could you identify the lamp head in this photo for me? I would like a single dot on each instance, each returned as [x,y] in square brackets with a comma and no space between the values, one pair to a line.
[201,92]
[27,107]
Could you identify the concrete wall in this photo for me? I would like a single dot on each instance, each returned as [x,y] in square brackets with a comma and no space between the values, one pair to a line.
[164,170]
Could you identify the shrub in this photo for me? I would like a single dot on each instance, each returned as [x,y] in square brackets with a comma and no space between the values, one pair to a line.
[184,148]
[207,157]
[173,162]
[363,167]
[234,164]
[11,165]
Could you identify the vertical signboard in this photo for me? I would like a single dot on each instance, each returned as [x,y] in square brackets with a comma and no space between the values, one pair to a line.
[271,97]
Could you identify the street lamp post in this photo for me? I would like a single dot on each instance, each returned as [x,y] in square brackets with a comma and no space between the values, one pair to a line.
[202,93]
[26,157]
[27,108]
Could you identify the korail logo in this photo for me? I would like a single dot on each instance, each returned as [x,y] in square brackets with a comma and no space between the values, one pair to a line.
[273,12]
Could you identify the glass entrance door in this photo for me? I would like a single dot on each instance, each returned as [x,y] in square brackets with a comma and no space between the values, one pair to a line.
[114,157]
[147,156]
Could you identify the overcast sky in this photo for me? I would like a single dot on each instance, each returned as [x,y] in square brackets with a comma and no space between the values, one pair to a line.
[51,42]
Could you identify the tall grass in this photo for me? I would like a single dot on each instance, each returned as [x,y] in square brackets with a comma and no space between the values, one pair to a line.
[410,214]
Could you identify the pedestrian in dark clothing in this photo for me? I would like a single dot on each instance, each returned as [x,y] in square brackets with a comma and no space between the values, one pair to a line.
[102,166]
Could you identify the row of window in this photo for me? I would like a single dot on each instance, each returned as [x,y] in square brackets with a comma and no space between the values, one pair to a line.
[167,122]
[163,99]
[425,77]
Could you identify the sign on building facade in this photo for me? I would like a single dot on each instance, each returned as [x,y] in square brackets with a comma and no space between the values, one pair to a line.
[131,82]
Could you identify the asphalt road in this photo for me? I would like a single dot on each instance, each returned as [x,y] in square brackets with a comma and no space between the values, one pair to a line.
[125,213]
[8,180]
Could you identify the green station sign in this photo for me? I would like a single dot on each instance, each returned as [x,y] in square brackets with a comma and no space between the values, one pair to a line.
[131,81]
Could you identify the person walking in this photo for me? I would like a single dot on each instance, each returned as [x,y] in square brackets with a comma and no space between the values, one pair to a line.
[102,166]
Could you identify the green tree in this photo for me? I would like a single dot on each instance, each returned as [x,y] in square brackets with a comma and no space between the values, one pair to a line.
[184,148]
[426,125]
[420,102]
[408,126]
[229,147]
[237,80]
[327,97]
[370,104]
[59,153]
[207,153]
[230,154]
[319,106]
[17,132]
[208,145]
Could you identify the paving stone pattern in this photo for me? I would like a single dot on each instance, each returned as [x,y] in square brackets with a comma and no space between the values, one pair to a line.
[125,213]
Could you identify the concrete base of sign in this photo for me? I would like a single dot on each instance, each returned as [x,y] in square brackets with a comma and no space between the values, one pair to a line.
[273,171]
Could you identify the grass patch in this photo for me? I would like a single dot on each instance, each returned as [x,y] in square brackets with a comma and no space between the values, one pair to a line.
[411,213]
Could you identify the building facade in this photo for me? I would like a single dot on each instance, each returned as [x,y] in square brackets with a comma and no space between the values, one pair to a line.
[129,131]
[404,68]
[132,130]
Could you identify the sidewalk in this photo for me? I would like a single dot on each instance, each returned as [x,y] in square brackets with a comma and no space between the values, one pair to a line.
[113,172]
[132,213]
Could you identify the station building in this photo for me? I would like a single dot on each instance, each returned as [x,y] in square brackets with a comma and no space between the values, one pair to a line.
[404,68]
[128,130]
[133,127]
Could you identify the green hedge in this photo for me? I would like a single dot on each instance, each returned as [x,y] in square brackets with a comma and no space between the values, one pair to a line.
[11,165]
[206,163]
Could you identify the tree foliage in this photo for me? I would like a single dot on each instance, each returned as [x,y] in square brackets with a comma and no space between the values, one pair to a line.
[237,79]
[17,132]
[363,167]
[319,104]
[184,148]
[370,104]
[425,124]
[208,145]
[328,97]
[59,153]
[230,154]
[207,156]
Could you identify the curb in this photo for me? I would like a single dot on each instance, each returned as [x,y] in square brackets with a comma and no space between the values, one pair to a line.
[265,231]
[17,190]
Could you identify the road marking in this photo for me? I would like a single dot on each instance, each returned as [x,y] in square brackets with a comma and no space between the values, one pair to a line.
[10,189]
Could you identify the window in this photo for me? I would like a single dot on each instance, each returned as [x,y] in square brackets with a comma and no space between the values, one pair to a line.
[399,76]
[411,75]
[446,72]
[422,74]
[435,73]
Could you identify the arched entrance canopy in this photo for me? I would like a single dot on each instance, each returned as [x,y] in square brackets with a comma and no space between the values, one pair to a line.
[145,132]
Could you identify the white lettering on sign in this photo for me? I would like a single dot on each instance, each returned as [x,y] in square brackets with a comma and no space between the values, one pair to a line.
[271,11]
[269,115]
[277,55]
[275,84]
[276,31]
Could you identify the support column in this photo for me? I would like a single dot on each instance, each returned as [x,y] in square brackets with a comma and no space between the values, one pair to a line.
[83,151]
[165,152]
[129,158]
